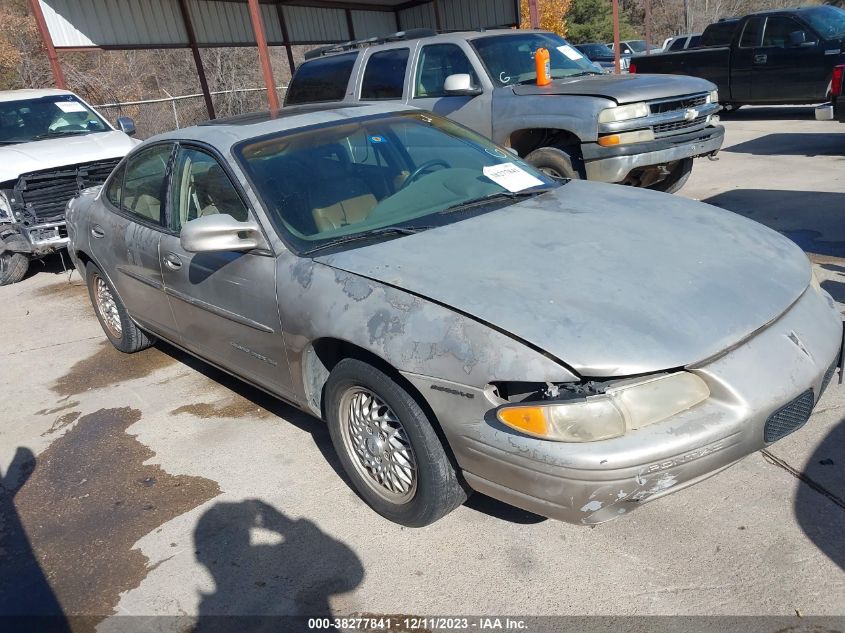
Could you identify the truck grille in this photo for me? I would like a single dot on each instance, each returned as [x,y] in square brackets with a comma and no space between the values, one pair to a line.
[658,107]
[44,194]
[789,417]
[675,126]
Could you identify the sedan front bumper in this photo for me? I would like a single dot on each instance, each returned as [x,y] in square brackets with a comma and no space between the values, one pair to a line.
[768,383]
[613,164]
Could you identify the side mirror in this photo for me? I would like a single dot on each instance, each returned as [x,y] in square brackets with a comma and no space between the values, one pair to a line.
[220,232]
[126,125]
[460,84]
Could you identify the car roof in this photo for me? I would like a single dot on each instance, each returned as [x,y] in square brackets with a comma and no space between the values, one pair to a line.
[225,132]
[27,93]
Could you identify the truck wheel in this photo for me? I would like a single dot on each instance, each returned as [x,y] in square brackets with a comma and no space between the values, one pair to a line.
[388,447]
[677,179]
[553,162]
[114,319]
[13,265]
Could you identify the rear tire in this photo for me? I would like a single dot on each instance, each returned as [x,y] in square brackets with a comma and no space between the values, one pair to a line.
[553,162]
[112,314]
[388,447]
[677,179]
[13,265]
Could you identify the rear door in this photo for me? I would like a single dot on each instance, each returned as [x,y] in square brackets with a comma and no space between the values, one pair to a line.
[125,235]
[743,65]
[785,72]
[225,302]
[434,63]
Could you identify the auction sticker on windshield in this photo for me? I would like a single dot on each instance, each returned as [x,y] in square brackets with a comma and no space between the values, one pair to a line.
[511,176]
[570,52]
[70,106]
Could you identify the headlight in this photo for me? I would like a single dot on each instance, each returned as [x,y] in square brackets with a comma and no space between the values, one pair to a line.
[713,97]
[623,138]
[624,113]
[610,414]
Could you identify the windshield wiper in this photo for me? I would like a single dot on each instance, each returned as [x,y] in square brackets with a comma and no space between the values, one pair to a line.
[55,133]
[385,230]
[511,195]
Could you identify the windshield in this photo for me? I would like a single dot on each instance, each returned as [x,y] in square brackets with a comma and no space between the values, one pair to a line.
[827,21]
[509,59]
[595,50]
[638,46]
[411,171]
[46,117]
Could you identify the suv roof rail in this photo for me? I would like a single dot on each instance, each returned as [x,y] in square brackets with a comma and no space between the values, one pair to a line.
[410,34]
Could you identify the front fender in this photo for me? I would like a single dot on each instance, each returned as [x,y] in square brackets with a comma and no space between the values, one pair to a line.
[411,333]
[576,114]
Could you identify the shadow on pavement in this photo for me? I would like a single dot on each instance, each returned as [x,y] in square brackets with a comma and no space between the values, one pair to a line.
[820,502]
[792,144]
[267,564]
[770,113]
[811,219]
[24,589]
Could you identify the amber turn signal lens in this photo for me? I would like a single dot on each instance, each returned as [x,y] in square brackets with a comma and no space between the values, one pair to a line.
[611,139]
[531,420]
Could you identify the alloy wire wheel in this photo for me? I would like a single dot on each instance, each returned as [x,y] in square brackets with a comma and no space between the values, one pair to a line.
[107,306]
[388,446]
[378,444]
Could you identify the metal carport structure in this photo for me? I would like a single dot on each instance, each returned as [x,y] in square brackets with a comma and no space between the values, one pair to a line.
[81,25]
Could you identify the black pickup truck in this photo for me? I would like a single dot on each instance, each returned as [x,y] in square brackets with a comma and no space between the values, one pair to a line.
[773,57]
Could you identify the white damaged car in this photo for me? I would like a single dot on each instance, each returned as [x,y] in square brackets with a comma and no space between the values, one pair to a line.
[53,145]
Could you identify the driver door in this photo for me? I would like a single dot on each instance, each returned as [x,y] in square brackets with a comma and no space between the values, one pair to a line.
[435,62]
[224,303]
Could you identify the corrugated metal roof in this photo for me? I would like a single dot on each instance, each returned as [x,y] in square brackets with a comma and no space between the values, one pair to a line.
[154,23]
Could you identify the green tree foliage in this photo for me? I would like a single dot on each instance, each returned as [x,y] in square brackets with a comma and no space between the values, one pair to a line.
[592,21]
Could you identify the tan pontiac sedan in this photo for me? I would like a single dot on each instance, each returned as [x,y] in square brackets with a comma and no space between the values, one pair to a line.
[460,320]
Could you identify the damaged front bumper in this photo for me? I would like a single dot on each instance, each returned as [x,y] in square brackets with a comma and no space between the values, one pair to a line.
[761,390]
[41,239]
[613,164]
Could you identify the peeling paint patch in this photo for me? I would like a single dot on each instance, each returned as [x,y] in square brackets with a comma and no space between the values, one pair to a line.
[354,287]
[592,506]
[382,323]
[303,272]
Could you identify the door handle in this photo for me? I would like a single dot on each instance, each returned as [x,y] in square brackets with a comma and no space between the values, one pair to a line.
[760,59]
[172,261]
[97,231]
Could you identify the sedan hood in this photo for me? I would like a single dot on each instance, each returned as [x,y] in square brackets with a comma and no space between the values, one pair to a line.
[621,88]
[24,158]
[610,280]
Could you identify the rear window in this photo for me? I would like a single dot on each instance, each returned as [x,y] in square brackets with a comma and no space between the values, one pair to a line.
[719,34]
[323,79]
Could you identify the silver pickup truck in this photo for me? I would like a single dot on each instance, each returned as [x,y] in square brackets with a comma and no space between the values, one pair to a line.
[641,130]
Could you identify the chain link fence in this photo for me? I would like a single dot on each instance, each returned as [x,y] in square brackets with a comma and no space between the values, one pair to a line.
[154,116]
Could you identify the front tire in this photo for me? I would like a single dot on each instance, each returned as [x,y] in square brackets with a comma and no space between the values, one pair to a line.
[675,180]
[388,447]
[553,162]
[13,265]
[112,314]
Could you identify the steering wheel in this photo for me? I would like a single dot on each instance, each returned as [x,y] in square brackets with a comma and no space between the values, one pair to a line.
[419,171]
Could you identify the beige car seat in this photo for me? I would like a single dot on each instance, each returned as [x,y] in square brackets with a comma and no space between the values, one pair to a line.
[338,199]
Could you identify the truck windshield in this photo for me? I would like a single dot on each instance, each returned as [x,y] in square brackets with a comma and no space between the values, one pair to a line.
[827,21]
[595,50]
[383,175]
[638,46]
[509,59]
[25,120]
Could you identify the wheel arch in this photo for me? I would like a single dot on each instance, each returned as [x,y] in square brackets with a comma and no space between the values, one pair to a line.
[323,354]
[526,140]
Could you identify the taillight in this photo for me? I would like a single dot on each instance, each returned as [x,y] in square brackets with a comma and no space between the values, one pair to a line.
[632,67]
[836,80]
